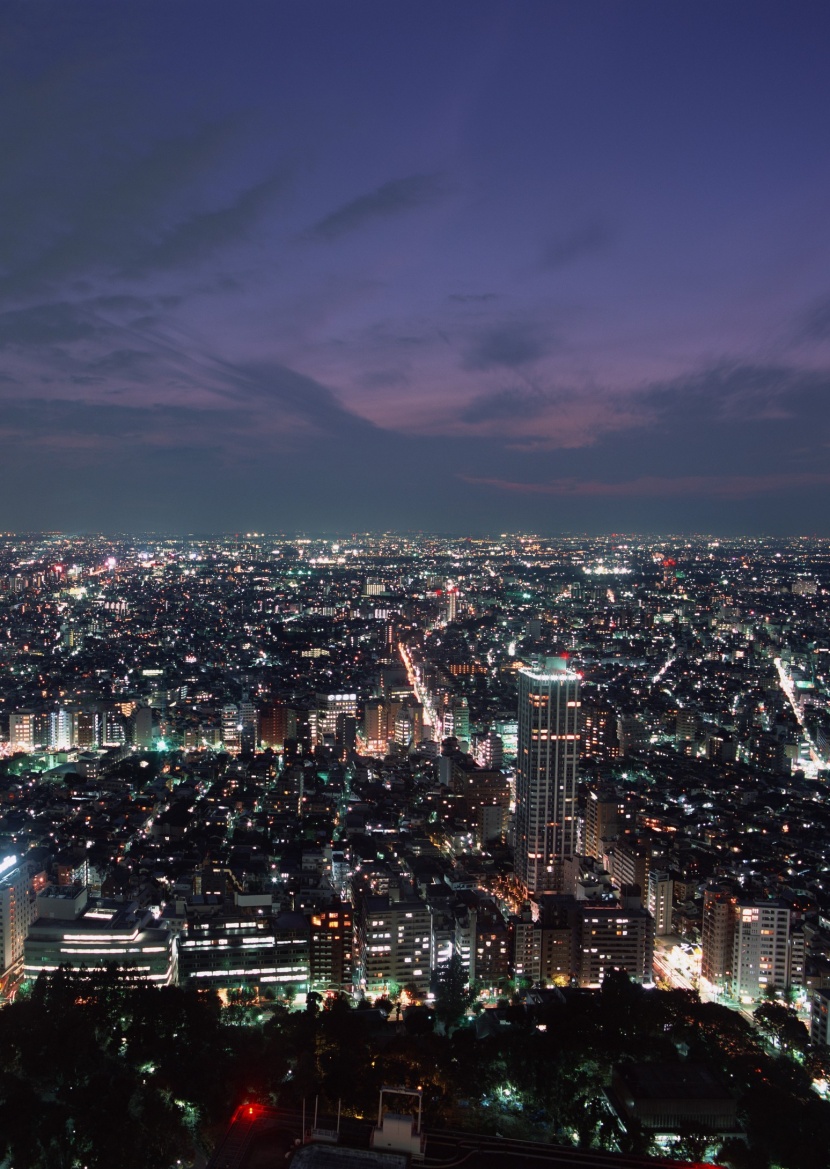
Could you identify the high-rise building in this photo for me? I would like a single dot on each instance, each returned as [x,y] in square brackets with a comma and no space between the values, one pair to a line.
[376,726]
[248,725]
[450,605]
[631,733]
[457,719]
[231,726]
[27,730]
[746,946]
[598,739]
[60,729]
[760,951]
[331,952]
[717,938]
[492,945]
[820,1018]
[143,727]
[546,768]
[277,722]
[329,706]
[88,730]
[660,891]
[490,751]
[614,939]
[17,908]
[604,811]
[393,943]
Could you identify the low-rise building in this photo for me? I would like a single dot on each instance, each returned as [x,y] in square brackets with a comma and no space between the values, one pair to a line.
[71,929]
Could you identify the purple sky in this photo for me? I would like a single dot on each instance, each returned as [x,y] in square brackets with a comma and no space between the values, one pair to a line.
[462,266]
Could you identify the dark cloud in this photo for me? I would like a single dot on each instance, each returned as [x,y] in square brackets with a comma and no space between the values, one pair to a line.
[741,396]
[473,297]
[45,324]
[510,345]
[111,206]
[69,346]
[270,388]
[388,200]
[203,234]
[94,192]
[587,240]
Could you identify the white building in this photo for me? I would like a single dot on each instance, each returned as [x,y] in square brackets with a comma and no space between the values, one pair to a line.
[231,727]
[394,944]
[760,953]
[60,729]
[71,929]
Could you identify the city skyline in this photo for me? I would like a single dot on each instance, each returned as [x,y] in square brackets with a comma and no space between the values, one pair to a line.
[549,266]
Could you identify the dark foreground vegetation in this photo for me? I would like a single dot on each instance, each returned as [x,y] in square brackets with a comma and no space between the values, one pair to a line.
[99,1070]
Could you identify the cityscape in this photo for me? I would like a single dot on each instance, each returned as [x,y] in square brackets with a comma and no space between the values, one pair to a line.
[461,788]
[414,584]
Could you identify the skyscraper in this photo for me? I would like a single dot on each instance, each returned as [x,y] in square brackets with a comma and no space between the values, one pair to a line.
[548,751]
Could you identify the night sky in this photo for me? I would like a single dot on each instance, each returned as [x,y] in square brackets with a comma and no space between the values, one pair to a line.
[459,266]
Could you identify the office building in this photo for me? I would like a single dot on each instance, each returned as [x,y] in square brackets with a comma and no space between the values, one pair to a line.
[717,936]
[604,812]
[27,730]
[331,948]
[393,944]
[820,1018]
[329,706]
[760,950]
[660,892]
[60,729]
[231,727]
[746,946]
[17,908]
[229,950]
[71,929]
[277,722]
[548,752]
[614,938]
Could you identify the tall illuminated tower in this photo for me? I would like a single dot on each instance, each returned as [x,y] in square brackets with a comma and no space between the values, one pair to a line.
[548,751]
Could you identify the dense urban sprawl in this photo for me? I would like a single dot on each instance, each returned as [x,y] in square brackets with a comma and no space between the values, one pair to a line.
[283,768]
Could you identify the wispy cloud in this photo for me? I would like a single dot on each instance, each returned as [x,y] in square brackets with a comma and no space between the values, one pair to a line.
[386,201]
[515,402]
[145,207]
[814,323]
[595,236]
[201,235]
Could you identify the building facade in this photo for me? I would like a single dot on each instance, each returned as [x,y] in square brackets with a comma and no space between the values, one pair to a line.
[546,774]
